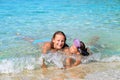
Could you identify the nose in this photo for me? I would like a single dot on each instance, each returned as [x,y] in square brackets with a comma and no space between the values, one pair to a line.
[60,42]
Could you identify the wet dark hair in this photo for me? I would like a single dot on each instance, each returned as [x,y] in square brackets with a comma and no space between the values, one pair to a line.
[58,32]
[83,49]
[82,45]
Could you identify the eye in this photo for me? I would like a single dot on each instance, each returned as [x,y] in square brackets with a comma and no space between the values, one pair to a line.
[62,41]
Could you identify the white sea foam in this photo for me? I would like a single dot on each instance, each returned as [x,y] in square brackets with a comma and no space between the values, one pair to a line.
[16,65]
[56,58]
[91,58]
[112,58]
[97,58]
[6,66]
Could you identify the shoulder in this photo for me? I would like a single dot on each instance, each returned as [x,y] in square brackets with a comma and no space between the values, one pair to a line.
[47,45]
[66,49]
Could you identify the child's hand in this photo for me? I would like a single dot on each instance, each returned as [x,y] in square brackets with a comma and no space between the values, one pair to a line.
[43,65]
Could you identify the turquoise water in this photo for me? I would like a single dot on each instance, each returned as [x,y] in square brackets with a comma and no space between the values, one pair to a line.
[39,19]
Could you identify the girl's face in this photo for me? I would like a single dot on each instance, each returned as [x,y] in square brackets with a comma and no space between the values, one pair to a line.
[73,49]
[59,41]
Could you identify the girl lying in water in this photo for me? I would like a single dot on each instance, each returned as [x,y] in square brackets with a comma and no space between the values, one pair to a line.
[75,53]
[50,48]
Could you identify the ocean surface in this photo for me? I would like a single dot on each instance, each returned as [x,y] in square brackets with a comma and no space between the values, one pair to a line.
[95,22]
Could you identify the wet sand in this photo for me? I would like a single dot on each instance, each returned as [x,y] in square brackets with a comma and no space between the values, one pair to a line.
[52,73]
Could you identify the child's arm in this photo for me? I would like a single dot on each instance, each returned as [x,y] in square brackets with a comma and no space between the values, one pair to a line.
[78,60]
[45,49]
[68,63]
[68,58]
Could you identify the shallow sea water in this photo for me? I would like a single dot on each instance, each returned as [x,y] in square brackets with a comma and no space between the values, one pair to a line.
[91,71]
[95,22]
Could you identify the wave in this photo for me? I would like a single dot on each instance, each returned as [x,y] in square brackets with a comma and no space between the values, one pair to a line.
[16,65]
[97,57]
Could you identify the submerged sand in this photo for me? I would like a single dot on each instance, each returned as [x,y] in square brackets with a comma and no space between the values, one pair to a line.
[52,73]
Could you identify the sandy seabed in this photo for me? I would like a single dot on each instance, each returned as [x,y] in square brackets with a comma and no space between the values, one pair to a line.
[76,73]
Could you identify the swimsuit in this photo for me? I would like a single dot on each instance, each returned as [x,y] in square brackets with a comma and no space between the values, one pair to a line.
[40,41]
